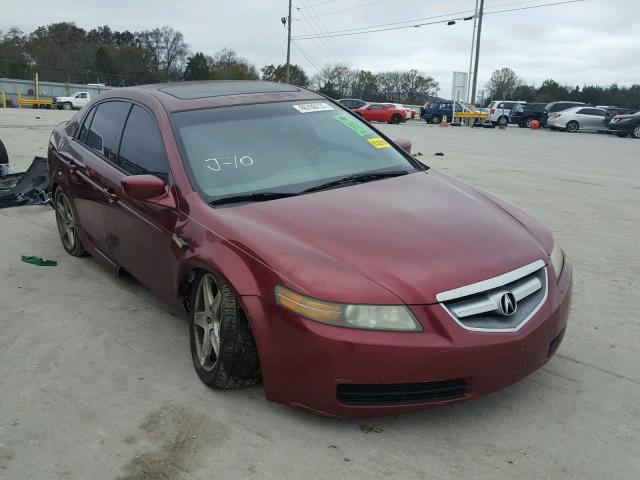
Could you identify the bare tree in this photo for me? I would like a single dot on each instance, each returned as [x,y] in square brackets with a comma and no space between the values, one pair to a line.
[503,83]
[169,48]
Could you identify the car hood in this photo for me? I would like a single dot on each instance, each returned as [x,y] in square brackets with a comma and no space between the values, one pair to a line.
[414,236]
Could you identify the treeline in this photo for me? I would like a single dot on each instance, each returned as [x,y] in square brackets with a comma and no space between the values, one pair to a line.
[505,84]
[64,52]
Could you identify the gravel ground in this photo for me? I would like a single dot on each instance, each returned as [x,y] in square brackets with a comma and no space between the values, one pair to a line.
[97,382]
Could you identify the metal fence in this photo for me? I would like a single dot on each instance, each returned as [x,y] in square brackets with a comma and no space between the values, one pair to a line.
[46,90]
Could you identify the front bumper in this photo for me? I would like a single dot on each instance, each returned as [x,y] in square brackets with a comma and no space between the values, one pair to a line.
[305,362]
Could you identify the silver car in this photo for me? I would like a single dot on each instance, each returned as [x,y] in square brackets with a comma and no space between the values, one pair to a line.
[579,118]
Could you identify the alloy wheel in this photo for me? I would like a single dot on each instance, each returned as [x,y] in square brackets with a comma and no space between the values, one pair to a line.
[636,132]
[207,320]
[66,222]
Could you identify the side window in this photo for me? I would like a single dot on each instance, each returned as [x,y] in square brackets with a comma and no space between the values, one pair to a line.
[104,134]
[376,107]
[585,111]
[141,150]
[84,130]
[81,95]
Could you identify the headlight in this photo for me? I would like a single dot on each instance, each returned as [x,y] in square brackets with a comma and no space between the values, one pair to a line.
[370,317]
[557,260]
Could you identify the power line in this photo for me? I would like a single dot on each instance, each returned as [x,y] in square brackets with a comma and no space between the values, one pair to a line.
[355,7]
[319,3]
[418,25]
[330,46]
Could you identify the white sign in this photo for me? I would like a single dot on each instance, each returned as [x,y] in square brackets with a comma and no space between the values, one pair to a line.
[313,107]
[459,87]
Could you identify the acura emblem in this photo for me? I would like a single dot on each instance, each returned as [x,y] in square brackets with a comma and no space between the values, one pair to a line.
[508,304]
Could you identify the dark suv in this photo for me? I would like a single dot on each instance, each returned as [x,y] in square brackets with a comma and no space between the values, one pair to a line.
[558,107]
[352,103]
[523,115]
[624,125]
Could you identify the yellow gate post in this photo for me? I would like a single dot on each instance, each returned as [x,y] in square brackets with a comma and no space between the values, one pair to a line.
[4,100]
[19,100]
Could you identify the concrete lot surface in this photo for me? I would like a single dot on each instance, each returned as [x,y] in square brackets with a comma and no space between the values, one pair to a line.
[96,380]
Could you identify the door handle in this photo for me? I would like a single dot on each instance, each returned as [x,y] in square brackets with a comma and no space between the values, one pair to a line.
[111,195]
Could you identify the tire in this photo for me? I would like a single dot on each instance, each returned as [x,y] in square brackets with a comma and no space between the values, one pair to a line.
[572,126]
[230,360]
[67,225]
[521,124]
[67,106]
[622,134]
[396,119]
[435,120]
[528,122]
[4,156]
[635,133]
[503,121]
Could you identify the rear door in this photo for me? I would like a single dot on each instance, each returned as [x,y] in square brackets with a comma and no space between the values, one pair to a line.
[95,146]
[140,233]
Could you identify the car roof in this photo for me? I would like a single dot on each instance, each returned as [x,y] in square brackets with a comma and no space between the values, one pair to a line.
[211,94]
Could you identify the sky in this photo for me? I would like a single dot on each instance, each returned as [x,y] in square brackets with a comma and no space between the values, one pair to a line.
[591,42]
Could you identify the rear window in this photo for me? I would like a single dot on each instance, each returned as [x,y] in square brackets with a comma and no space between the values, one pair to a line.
[284,147]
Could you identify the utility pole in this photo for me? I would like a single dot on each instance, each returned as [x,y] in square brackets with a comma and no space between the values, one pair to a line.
[473,46]
[289,42]
[475,70]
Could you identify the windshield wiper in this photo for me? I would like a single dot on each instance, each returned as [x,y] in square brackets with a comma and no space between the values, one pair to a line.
[358,178]
[252,197]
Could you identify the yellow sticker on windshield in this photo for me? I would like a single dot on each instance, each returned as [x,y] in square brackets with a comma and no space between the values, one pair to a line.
[379,142]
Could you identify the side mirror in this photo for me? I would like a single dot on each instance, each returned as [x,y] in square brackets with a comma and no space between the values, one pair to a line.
[404,144]
[143,187]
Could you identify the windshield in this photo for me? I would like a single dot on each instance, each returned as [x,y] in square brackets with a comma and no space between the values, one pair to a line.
[283,147]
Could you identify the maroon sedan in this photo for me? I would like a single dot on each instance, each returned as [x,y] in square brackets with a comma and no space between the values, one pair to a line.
[308,249]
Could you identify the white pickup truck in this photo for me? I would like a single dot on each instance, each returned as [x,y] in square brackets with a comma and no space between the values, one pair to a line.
[76,101]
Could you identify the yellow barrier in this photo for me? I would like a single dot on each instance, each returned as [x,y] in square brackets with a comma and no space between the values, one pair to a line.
[470,115]
[4,100]
[33,103]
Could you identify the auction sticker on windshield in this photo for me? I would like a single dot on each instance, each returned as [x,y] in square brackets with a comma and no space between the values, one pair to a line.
[379,142]
[313,107]
[353,124]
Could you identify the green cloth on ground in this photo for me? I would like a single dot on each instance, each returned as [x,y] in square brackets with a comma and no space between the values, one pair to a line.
[38,261]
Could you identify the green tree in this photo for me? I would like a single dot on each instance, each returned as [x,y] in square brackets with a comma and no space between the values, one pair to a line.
[227,65]
[297,76]
[197,67]
[503,84]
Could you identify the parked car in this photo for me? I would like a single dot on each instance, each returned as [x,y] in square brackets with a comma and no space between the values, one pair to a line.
[523,114]
[624,125]
[353,103]
[500,111]
[554,107]
[380,112]
[579,118]
[409,113]
[434,112]
[313,252]
[75,102]
[613,111]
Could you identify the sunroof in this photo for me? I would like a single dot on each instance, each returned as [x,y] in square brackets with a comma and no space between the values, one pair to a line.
[223,88]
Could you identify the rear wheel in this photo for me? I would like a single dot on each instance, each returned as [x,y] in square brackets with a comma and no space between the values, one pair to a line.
[223,349]
[572,126]
[396,118]
[503,121]
[67,106]
[636,132]
[67,226]
[529,122]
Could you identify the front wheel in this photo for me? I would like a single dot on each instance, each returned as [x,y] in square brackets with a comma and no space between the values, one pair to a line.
[223,349]
[636,132]
[435,120]
[396,119]
[503,121]
[572,126]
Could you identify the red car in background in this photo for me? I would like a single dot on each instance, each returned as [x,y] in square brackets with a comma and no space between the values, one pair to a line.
[307,248]
[379,112]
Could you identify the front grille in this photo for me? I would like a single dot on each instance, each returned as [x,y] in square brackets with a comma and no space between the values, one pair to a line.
[478,307]
[400,393]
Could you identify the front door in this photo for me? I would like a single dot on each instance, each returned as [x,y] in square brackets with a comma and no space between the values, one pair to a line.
[89,153]
[139,233]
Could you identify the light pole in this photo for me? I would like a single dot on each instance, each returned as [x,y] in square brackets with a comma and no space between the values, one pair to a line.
[475,69]
[289,42]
